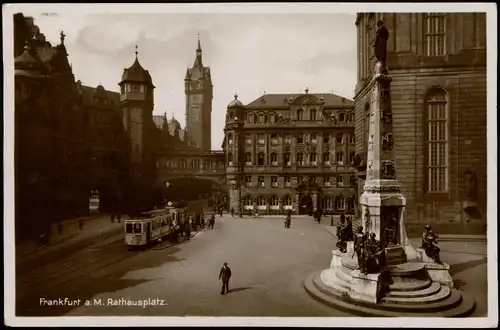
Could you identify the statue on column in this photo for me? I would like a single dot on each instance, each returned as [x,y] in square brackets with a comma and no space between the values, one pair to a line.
[380,42]
[380,48]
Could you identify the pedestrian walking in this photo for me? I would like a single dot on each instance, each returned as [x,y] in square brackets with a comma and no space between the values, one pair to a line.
[187,232]
[232,211]
[220,211]
[225,275]
[211,221]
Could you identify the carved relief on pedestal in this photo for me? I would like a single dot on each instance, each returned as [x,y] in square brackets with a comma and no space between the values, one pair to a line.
[387,170]
[382,189]
[387,143]
[386,116]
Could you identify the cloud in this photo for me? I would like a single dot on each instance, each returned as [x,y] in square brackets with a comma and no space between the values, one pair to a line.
[247,53]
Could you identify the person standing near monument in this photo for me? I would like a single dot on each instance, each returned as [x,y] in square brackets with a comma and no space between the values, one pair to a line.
[225,275]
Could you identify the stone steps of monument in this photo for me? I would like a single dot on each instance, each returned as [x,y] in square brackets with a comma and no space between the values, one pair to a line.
[344,276]
[407,269]
[442,293]
[432,289]
[455,305]
[332,280]
[409,285]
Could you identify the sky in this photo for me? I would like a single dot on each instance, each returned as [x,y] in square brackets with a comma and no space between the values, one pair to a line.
[249,54]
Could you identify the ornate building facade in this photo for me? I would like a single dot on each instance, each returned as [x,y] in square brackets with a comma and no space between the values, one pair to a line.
[50,138]
[106,142]
[438,65]
[291,152]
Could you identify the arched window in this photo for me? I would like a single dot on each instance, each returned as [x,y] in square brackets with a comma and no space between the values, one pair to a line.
[274,138]
[230,138]
[262,118]
[248,203]
[300,159]
[287,202]
[260,159]
[340,137]
[434,34]
[300,138]
[274,159]
[250,118]
[287,159]
[271,117]
[248,158]
[313,114]
[261,203]
[327,203]
[300,114]
[230,159]
[312,158]
[436,135]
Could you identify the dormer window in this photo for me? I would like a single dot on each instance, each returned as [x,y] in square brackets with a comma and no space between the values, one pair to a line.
[271,118]
[313,114]
[250,118]
[341,117]
[262,118]
[300,114]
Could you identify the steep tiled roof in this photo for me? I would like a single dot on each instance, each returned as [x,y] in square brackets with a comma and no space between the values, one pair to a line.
[136,73]
[282,100]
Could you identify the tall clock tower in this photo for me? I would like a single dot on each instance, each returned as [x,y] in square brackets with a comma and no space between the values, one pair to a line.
[137,102]
[199,94]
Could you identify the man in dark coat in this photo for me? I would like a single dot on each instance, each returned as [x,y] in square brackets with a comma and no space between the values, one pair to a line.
[225,275]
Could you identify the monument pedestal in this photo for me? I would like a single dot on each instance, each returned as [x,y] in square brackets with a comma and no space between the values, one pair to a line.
[439,273]
[336,259]
[366,287]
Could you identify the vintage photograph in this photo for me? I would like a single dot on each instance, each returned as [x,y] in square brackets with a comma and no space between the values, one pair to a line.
[182,163]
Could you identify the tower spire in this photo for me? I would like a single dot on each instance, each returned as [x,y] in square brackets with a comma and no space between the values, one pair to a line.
[198,62]
[136,52]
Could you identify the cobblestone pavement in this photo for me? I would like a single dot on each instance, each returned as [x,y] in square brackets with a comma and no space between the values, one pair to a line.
[269,264]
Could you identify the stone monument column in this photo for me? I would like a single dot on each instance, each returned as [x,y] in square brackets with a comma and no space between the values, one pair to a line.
[381,202]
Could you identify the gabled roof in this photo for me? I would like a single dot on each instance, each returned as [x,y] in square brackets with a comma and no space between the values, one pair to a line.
[267,101]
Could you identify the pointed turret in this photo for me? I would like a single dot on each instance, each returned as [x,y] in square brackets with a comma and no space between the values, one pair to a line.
[198,62]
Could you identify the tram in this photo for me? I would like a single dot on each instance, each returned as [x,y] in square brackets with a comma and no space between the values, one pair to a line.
[152,226]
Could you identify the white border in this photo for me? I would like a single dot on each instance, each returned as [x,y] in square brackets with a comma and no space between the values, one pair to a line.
[279,8]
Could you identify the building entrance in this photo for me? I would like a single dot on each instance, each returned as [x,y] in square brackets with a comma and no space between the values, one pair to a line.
[306,205]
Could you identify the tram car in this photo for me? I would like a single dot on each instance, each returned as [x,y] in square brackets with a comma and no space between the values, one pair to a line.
[152,226]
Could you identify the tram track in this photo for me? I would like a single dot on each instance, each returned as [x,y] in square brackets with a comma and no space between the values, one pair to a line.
[84,264]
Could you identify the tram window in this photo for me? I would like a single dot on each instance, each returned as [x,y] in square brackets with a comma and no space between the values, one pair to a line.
[137,228]
[129,228]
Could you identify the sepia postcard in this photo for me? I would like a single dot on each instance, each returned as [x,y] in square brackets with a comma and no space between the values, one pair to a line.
[238,164]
